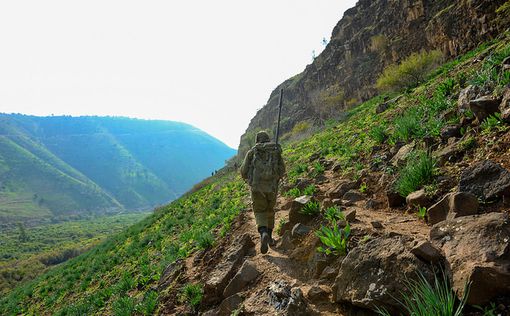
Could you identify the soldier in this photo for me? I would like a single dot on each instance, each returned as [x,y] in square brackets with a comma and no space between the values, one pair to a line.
[262,168]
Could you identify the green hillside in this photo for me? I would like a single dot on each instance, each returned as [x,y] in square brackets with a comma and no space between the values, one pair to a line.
[55,167]
[120,276]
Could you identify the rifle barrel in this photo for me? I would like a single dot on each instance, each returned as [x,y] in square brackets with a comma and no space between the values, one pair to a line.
[279,115]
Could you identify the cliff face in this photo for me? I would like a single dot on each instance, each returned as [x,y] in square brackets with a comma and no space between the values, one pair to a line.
[369,37]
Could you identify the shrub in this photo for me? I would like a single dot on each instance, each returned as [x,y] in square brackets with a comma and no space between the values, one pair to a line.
[191,294]
[333,214]
[311,208]
[334,239]
[418,171]
[378,133]
[410,72]
[300,128]
[425,299]
[310,190]
[408,126]
[293,192]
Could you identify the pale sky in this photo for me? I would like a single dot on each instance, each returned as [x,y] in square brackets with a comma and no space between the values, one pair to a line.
[208,63]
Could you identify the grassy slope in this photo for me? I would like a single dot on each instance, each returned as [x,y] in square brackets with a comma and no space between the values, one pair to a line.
[116,276]
[22,257]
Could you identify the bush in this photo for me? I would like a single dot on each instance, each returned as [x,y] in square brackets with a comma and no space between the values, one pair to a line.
[293,192]
[192,294]
[378,133]
[335,239]
[425,299]
[418,171]
[410,72]
[311,208]
[408,126]
[310,190]
[333,214]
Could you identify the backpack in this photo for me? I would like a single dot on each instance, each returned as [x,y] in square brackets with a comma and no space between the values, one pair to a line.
[264,167]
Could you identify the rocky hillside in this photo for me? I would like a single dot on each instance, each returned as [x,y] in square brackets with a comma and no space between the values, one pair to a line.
[56,167]
[407,190]
[369,37]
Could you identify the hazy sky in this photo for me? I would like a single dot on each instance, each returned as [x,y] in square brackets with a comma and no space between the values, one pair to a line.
[208,63]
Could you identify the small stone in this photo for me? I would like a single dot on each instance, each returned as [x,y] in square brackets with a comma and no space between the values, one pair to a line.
[318,293]
[377,224]
[350,215]
[418,198]
[373,204]
[450,131]
[394,199]
[402,154]
[329,273]
[381,108]
[484,106]
[299,230]
[353,196]
[427,252]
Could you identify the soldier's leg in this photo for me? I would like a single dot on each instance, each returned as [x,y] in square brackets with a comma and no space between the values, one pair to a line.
[271,202]
[259,208]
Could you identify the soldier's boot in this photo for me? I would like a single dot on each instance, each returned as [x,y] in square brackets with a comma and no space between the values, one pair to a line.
[272,242]
[264,239]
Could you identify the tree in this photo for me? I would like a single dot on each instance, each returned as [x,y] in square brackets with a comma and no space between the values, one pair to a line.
[410,72]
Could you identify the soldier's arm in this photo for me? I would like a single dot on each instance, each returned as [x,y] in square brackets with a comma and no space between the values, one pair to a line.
[245,167]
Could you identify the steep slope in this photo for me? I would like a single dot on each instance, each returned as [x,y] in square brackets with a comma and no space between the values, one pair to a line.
[369,37]
[197,255]
[76,165]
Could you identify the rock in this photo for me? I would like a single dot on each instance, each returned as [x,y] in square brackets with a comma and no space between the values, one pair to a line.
[314,156]
[229,305]
[318,293]
[244,276]
[295,216]
[299,230]
[486,180]
[302,183]
[478,251]
[467,94]
[425,251]
[328,273]
[394,199]
[504,106]
[453,205]
[171,275]
[418,198]
[376,272]
[297,304]
[484,106]
[326,203]
[450,131]
[450,153]
[376,224]
[381,108]
[350,215]
[352,196]
[402,154]
[286,241]
[337,167]
[231,259]
[373,204]
[341,188]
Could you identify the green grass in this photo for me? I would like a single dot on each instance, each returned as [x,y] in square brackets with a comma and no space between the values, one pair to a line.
[418,171]
[191,294]
[334,239]
[424,298]
[311,208]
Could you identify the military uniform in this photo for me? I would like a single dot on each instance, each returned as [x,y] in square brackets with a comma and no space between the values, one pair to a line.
[262,168]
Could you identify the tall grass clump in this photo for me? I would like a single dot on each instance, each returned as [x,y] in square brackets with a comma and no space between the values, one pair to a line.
[426,299]
[418,171]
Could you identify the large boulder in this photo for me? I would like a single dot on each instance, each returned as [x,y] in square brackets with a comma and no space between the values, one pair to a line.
[418,198]
[341,188]
[232,258]
[246,274]
[467,94]
[453,205]
[402,154]
[484,107]
[295,215]
[374,274]
[286,300]
[477,249]
[486,180]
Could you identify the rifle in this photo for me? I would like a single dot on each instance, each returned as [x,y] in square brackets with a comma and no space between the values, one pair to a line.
[279,115]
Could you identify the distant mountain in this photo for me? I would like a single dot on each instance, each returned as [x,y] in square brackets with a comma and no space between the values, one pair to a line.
[58,166]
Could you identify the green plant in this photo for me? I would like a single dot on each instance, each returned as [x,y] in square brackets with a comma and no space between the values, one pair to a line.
[310,190]
[318,169]
[293,192]
[363,188]
[205,239]
[492,123]
[378,133]
[410,72]
[334,239]
[149,303]
[192,294]
[333,214]
[280,225]
[408,126]
[490,310]
[426,299]
[124,306]
[418,171]
[311,208]
[422,212]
